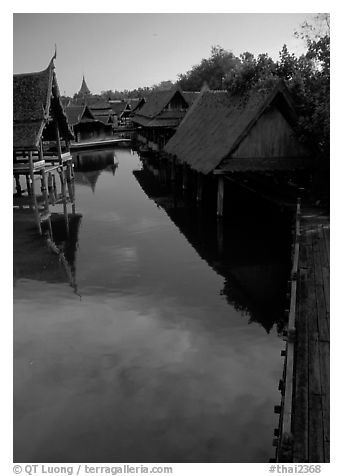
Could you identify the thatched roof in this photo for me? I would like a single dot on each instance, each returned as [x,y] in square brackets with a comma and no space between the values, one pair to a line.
[156,102]
[136,104]
[104,118]
[217,122]
[119,107]
[36,99]
[76,113]
[154,112]
[190,96]
[99,105]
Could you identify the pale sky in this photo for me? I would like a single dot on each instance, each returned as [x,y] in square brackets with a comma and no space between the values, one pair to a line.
[125,51]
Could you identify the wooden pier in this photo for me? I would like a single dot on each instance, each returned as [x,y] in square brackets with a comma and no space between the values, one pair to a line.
[303,435]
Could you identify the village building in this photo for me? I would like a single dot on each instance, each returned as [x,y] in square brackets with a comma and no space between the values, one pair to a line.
[102,111]
[159,117]
[122,111]
[223,134]
[136,104]
[41,139]
[86,125]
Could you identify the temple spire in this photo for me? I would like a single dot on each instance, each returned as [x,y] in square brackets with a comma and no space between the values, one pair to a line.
[84,88]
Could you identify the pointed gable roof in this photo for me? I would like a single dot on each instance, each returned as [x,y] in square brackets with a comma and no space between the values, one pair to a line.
[156,102]
[119,107]
[76,113]
[84,88]
[35,95]
[217,122]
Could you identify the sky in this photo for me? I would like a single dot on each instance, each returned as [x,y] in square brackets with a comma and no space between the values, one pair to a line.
[130,50]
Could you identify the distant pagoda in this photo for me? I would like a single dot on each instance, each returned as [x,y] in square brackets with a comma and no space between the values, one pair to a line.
[84,90]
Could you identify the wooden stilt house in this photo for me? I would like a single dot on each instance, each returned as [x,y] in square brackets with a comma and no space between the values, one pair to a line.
[224,134]
[159,118]
[122,111]
[86,125]
[41,137]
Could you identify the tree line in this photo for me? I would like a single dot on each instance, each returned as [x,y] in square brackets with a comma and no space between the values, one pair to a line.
[307,77]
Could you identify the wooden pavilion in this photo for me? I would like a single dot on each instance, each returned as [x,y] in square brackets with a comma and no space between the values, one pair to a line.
[122,111]
[85,124]
[158,119]
[41,137]
[225,134]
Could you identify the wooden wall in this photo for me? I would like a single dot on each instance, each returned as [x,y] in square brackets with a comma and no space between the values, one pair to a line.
[271,136]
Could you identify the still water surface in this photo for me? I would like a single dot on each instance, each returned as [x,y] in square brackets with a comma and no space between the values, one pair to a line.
[166,348]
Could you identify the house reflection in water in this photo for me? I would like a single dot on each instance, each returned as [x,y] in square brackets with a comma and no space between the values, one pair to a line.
[250,249]
[88,165]
[34,259]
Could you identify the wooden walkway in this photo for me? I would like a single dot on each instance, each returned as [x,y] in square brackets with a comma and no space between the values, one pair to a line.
[307,372]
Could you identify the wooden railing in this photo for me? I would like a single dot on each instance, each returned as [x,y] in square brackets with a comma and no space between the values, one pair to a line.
[284,441]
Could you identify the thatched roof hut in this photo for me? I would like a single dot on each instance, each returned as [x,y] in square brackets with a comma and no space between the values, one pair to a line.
[37,108]
[225,132]
[78,114]
[162,109]
[136,104]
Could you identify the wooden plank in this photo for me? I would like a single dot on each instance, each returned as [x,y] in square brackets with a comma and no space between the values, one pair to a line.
[327,240]
[324,358]
[325,268]
[323,329]
[316,440]
[327,451]
[300,400]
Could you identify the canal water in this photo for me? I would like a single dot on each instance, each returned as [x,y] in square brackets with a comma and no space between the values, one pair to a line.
[165,344]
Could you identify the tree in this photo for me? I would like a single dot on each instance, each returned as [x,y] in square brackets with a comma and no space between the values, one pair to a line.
[212,71]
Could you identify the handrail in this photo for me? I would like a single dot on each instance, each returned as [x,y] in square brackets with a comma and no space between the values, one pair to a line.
[285,442]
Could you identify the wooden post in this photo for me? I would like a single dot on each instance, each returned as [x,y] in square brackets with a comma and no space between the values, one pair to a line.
[220,195]
[70,185]
[184,176]
[44,190]
[28,184]
[34,198]
[64,198]
[54,184]
[200,178]
[17,184]
[51,189]
[58,143]
[41,153]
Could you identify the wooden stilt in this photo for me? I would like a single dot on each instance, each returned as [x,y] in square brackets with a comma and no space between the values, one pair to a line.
[64,198]
[220,196]
[17,184]
[44,190]
[28,184]
[71,186]
[58,143]
[51,190]
[54,184]
[199,187]
[34,198]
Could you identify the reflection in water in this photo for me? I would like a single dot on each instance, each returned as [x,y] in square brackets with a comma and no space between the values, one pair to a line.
[244,248]
[88,165]
[152,361]
[34,260]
